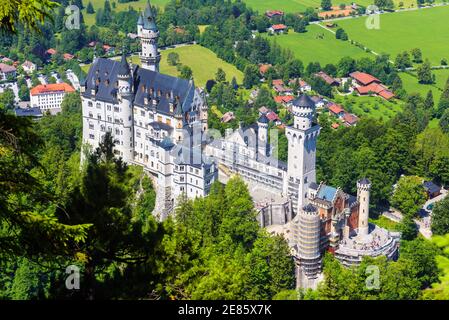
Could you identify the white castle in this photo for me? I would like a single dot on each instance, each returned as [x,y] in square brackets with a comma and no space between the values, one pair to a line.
[159,122]
[152,118]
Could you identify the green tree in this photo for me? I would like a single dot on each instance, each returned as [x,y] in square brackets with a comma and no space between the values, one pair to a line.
[326,5]
[424,73]
[444,121]
[173,58]
[417,55]
[186,73]
[428,103]
[250,76]
[90,8]
[220,75]
[440,218]
[7,99]
[408,228]
[409,195]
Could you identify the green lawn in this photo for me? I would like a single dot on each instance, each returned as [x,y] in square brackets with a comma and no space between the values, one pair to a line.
[89,19]
[425,29]
[366,106]
[285,5]
[308,47]
[204,64]
[385,223]
[411,84]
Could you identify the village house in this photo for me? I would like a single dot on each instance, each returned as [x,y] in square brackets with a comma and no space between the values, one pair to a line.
[68,56]
[319,101]
[336,110]
[366,84]
[284,100]
[329,80]
[278,28]
[350,119]
[7,71]
[29,67]
[263,69]
[336,11]
[274,14]
[303,86]
[432,189]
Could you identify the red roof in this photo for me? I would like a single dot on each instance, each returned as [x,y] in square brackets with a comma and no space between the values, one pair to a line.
[336,109]
[350,118]
[68,56]
[386,94]
[283,99]
[51,51]
[329,80]
[92,44]
[264,68]
[335,125]
[272,116]
[107,47]
[273,13]
[278,82]
[53,87]
[363,78]
[279,26]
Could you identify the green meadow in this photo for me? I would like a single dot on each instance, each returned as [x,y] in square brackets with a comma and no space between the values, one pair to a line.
[402,31]
[367,106]
[89,19]
[319,45]
[203,62]
[410,83]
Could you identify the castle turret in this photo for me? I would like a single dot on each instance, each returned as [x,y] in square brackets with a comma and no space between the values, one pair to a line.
[148,33]
[363,191]
[308,244]
[302,138]
[125,115]
[262,135]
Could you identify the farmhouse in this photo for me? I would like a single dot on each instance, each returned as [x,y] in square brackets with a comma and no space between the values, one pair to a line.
[284,99]
[350,119]
[263,68]
[367,84]
[336,12]
[278,28]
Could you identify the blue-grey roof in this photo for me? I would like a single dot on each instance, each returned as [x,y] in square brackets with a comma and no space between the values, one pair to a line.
[124,66]
[28,112]
[314,186]
[326,193]
[309,208]
[263,118]
[364,181]
[140,20]
[166,143]
[304,101]
[105,69]
[160,126]
[431,187]
[149,19]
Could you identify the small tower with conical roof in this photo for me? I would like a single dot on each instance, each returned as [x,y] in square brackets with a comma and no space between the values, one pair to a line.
[148,33]
[125,96]
[302,137]
[262,135]
[363,193]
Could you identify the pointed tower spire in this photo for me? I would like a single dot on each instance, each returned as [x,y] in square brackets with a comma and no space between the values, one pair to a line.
[149,35]
[124,66]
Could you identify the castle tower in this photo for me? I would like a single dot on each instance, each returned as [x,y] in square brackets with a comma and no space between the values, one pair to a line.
[125,97]
[302,138]
[262,135]
[204,113]
[179,123]
[148,33]
[308,242]
[363,190]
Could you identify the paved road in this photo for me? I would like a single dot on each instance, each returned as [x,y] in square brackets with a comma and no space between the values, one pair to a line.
[73,79]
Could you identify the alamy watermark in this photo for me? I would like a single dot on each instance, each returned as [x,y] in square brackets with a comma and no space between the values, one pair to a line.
[72,282]
[372,22]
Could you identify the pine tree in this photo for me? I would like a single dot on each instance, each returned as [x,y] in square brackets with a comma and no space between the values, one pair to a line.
[429,103]
[90,8]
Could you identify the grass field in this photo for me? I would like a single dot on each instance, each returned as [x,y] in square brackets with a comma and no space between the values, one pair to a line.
[411,84]
[309,48]
[385,223]
[203,62]
[425,29]
[89,19]
[373,107]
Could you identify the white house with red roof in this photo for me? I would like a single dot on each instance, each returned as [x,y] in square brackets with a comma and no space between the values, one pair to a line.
[367,84]
[49,96]
[278,28]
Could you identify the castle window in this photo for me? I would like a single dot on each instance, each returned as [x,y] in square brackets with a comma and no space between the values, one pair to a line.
[108,107]
[99,116]
[91,136]
[98,105]
[89,104]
